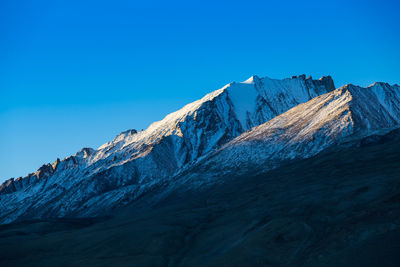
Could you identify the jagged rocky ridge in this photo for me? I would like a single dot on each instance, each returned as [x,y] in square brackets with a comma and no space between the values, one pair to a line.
[47,170]
[121,170]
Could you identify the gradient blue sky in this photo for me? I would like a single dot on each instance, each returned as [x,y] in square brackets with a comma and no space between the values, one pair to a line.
[75,74]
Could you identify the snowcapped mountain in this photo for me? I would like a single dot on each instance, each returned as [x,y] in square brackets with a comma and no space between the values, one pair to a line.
[261,120]
[120,170]
[345,114]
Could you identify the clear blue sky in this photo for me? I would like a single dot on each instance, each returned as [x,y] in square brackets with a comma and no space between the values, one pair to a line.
[76,73]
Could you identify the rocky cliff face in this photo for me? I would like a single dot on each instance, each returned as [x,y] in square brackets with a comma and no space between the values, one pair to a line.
[93,181]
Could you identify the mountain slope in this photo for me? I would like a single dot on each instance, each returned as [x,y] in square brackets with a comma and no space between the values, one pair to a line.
[350,112]
[340,208]
[119,171]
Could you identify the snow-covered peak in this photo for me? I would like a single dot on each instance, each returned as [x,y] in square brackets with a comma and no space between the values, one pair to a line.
[308,128]
[253,79]
[205,124]
[250,103]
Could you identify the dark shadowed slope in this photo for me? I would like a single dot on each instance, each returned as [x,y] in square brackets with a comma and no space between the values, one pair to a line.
[339,208]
